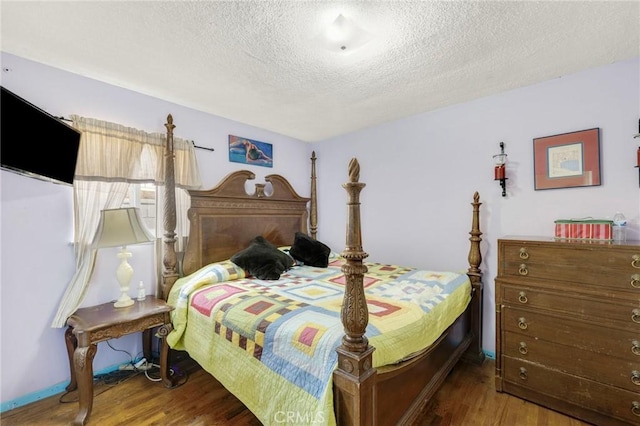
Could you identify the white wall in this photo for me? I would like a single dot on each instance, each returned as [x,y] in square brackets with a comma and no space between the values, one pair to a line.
[37,257]
[421,173]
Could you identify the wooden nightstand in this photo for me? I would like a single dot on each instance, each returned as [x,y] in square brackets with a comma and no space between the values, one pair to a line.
[89,326]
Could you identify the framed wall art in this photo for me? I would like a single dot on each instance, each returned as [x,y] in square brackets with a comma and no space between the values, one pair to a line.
[248,151]
[567,160]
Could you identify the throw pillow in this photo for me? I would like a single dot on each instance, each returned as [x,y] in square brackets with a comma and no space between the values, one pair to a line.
[262,259]
[309,251]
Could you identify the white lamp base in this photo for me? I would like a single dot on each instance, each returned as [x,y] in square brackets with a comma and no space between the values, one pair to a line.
[123,275]
[123,301]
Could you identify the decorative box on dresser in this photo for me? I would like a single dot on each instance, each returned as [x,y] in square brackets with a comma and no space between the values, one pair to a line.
[568,326]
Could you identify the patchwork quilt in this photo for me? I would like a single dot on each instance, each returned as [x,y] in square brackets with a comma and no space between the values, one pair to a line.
[273,343]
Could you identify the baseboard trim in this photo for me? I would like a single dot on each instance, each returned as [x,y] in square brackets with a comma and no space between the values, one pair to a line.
[491,355]
[45,393]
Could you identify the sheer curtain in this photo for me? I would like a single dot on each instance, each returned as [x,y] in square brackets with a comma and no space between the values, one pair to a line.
[111,157]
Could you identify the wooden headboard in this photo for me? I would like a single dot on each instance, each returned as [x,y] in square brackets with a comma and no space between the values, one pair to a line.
[223,220]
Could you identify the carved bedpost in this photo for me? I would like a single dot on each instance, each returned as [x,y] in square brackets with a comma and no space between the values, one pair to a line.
[354,377]
[313,217]
[475,353]
[170,259]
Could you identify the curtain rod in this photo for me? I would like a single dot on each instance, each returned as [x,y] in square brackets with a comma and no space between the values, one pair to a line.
[202,147]
[192,142]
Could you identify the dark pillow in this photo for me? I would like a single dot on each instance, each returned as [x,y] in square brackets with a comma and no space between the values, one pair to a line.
[263,260]
[309,251]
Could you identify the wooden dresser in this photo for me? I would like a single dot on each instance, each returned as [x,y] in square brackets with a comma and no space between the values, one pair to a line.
[568,326]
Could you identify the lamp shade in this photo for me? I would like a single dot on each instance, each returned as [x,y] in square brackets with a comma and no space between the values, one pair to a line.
[120,227]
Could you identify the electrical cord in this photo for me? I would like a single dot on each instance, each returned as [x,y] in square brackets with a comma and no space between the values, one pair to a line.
[121,350]
[153,379]
[152,373]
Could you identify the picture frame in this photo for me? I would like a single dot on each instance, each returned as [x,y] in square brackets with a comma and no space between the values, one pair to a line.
[249,151]
[567,160]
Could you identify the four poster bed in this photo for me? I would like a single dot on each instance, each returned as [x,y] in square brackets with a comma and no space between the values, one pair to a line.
[294,350]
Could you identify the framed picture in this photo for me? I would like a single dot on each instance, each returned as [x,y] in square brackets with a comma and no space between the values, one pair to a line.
[248,151]
[567,160]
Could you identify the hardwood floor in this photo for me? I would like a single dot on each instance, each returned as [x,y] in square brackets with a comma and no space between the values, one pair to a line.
[468,398]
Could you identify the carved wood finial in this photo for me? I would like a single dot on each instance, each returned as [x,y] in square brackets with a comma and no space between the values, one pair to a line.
[354,170]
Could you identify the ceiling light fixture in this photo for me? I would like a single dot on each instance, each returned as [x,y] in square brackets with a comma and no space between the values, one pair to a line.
[344,36]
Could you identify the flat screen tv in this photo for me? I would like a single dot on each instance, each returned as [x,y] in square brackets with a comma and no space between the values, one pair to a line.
[35,143]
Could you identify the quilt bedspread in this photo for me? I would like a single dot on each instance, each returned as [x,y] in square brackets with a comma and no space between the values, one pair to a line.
[272,343]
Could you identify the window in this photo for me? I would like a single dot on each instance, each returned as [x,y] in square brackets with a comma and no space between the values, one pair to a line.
[143,196]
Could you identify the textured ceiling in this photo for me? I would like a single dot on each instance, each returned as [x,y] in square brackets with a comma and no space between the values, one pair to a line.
[259,62]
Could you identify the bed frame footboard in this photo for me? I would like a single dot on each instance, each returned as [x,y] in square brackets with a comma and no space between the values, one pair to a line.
[396,394]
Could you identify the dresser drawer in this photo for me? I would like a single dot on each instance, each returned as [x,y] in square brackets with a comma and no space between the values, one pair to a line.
[602,265]
[622,373]
[587,307]
[617,342]
[614,402]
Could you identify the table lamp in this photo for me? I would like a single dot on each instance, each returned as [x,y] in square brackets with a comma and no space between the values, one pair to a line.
[121,227]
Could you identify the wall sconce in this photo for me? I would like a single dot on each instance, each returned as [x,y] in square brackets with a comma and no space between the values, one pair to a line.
[121,227]
[638,160]
[499,170]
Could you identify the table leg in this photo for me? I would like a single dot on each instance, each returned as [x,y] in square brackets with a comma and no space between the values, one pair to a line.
[72,343]
[83,362]
[163,331]
[146,345]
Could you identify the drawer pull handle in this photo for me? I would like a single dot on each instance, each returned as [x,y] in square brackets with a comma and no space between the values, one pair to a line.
[523,373]
[635,281]
[522,323]
[635,262]
[523,270]
[635,377]
[635,348]
[635,316]
[635,408]
[522,297]
[523,348]
[524,254]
